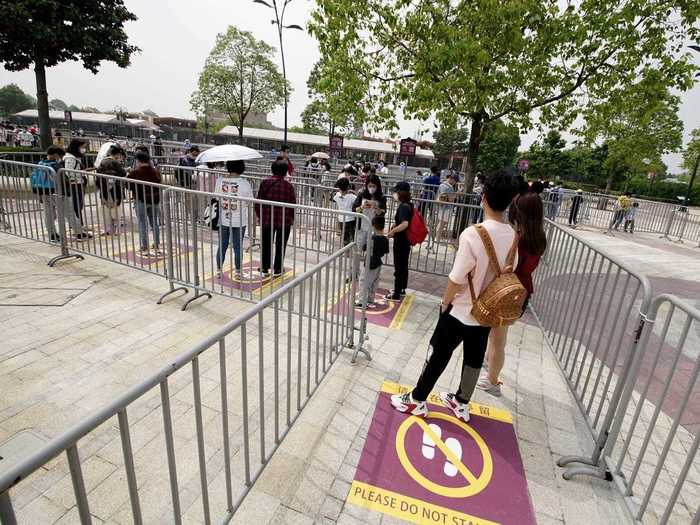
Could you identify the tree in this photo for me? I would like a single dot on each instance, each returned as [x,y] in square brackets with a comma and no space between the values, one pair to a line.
[449,140]
[239,77]
[149,113]
[13,100]
[316,118]
[42,34]
[528,61]
[58,105]
[73,107]
[325,113]
[639,121]
[499,147]
[691,161]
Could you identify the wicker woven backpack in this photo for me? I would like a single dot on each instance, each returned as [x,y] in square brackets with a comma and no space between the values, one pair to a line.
[501,302]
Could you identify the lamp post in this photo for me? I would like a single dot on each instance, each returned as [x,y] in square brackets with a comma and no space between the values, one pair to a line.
[279,22]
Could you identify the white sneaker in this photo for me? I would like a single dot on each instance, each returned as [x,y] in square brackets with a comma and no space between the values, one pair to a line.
[406,403]
[488,387]
[460,410]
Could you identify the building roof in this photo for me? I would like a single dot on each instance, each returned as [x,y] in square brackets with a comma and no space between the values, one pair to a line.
[78,116]
[321,140]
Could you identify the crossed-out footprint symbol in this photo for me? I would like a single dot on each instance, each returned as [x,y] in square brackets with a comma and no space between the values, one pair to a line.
[429,446]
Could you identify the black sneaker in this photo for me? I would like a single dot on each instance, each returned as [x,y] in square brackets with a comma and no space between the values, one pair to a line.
[391,296]
[83,236]
[56,238]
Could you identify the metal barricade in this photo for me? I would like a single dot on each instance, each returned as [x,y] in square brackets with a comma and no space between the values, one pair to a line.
[591,309]
[187,443]
[36,212]
[652,450]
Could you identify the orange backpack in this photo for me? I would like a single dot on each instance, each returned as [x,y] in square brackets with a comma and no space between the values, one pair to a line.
[501,302]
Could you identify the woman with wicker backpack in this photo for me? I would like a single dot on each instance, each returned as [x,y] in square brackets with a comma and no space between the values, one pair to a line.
[527,215]
[486,257]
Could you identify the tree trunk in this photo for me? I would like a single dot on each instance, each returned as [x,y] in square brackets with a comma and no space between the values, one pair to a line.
[470,160]
[609,184]
[240,134]
[42,100]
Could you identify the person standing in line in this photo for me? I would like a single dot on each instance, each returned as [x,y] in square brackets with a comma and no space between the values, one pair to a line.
[111,189]
[147,199]
[622,205]
[472,267]
[445,196]
[344,200]
[158,147]
[233,214]
[527,216]
[402,248]
[44,186]
[371,202]
[382,169]
[276,222]
[629,217]
[576,201]
[74,159]
[184,177]
[285,156]
[370,275]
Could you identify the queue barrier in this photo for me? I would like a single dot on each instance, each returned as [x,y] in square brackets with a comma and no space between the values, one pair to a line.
[189,450]
[101,216]
[627,361]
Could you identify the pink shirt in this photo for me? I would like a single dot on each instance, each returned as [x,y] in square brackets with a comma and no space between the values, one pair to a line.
[471,257]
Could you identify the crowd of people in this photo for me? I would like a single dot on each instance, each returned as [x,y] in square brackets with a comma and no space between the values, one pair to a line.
[17,136]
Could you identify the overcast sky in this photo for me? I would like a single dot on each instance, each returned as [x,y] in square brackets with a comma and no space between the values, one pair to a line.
[175,38]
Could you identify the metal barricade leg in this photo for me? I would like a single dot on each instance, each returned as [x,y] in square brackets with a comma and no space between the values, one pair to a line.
[7,513]
[363,315]
[168,219]
[61,212]
[191,205]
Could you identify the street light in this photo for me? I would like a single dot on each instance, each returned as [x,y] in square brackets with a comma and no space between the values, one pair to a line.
[279,22]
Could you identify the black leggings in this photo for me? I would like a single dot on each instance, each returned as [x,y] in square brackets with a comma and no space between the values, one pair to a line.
[402,252]
[78,198]
[448,333]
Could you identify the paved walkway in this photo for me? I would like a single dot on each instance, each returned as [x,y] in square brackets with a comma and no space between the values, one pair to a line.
[75,336]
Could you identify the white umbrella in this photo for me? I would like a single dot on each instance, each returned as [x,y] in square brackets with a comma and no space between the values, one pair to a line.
[321,155]
[227,152]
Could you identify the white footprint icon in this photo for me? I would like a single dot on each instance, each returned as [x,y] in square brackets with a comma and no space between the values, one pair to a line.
[428,443]
[455,447]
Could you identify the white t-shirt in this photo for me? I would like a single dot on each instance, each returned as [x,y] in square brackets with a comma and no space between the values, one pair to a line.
[344,202]
[471,257]
[232,212]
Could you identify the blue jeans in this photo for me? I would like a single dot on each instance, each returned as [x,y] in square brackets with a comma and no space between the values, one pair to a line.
[148,213]
[234,235]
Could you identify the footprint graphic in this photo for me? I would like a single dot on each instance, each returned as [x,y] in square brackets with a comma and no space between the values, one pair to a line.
[428,443]
[455,447]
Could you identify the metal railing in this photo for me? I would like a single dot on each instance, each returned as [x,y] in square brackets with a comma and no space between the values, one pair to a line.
[632,364]
[591,309]
[160,229]
[249,382]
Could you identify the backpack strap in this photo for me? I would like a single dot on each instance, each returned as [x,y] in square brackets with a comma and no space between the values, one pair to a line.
[491,252]
[511,254]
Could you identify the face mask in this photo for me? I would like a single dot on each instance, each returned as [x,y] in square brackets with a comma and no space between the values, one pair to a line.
[371,189]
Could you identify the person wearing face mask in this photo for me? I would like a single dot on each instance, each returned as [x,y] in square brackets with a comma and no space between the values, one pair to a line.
[402,248]
[370,202]
[74,183]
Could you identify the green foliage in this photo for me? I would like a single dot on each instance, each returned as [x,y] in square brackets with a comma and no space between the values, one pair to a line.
[499,147]
[73,107]
[53,31]
[58,105]
[326,114]
[450,139]
[692,153]
[531,62]
[239,77]
[13,100]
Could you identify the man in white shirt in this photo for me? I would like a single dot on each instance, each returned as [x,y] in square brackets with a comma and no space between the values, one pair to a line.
[456,324]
